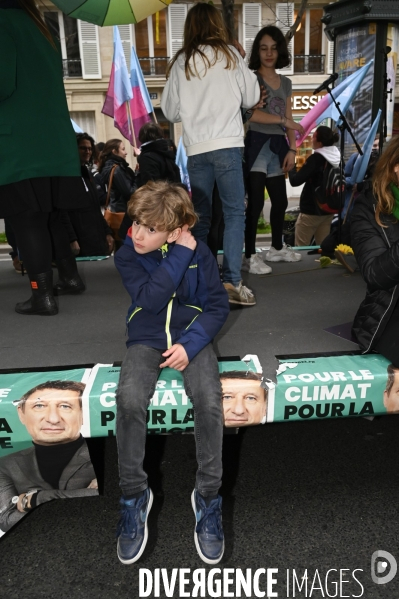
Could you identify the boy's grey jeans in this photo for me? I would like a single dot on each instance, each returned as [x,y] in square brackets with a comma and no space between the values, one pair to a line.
[139,374]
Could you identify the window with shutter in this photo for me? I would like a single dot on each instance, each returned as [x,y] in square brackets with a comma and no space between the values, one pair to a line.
[176,17]
[285,18]
[89,50]
[125,32]
[252,23]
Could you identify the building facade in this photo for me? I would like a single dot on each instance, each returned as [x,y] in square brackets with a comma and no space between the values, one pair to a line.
[87,57]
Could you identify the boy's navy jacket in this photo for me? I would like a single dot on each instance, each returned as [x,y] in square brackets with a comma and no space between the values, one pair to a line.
[177,296]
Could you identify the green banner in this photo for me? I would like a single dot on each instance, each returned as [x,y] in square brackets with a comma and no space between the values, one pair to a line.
[333,387]
[170,410]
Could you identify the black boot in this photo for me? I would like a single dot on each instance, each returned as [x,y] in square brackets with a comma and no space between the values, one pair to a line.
[69,280]
[42,301]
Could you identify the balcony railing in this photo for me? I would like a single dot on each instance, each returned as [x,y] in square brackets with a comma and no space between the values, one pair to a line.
[155,67]
[72,68]
[311,63]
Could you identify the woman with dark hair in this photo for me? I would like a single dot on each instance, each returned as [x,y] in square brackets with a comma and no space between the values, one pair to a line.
[312,221]
[87,149]
[268,156]
[33,110]
[207,84]
[375,241]
[119,179]
[156,160]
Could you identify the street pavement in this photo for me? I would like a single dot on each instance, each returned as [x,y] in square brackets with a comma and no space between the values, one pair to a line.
[304,497]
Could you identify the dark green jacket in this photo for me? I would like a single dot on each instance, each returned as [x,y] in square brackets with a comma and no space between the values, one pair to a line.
[36,135]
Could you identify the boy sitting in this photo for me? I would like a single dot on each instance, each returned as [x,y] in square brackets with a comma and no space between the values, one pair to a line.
[178,306]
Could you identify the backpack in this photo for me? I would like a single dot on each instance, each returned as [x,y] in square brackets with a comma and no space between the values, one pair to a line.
[328,192]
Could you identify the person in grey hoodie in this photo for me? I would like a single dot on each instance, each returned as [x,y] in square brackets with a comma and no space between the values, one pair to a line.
[312,221]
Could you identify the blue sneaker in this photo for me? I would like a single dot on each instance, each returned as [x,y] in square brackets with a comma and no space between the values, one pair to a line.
[132,531]
[208,532]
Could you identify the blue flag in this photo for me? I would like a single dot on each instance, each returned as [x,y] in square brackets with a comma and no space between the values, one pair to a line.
[361,164]
[181,161]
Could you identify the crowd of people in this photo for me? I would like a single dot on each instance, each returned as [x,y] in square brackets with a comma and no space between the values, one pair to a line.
[75,202]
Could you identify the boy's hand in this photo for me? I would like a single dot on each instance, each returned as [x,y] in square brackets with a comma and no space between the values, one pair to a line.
[176,357]
[186,238]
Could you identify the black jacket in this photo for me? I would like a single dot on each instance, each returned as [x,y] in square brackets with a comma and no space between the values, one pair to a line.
[157,163]
[88,226]
[311,174]
[377,252]
[123,183]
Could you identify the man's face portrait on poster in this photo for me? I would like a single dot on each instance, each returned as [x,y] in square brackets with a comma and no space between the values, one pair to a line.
[391,393]
[51,415]
[244,399]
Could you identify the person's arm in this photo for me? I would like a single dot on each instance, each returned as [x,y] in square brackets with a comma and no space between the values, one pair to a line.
[9,514]
[265,118]
[170,101]
[152,291]
[247,82]
[305,173]
[289,160]
[215,308]
[378,263]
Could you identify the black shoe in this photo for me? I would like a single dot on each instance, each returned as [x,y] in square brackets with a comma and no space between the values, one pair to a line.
[42,301]
[69,280]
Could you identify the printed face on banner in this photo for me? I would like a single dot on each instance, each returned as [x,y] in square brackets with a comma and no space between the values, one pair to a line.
[52,416]
[391,393]
[58,465]
[244,400]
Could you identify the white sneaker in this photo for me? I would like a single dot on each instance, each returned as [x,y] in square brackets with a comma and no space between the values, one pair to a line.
[255,265]
[240,295]
[286,254]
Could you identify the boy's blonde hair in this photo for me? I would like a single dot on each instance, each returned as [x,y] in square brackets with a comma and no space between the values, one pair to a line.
[162,204]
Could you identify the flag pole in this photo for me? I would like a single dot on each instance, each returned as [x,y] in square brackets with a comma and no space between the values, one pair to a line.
[155,118]
[130,121]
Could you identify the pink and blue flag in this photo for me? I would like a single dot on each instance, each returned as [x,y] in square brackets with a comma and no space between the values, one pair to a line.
[140,104]
[119,90]
[343,93]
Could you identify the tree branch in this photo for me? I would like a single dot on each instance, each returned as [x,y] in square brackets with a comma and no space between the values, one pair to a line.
[291,31]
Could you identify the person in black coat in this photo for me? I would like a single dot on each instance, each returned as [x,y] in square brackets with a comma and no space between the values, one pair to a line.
[88,231]
[157,162]
[312,221]
[375,240]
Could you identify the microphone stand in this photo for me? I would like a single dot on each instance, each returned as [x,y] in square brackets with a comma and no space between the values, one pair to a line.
[344,126]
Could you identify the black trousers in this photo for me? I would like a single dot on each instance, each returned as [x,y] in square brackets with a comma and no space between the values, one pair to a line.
[39,237]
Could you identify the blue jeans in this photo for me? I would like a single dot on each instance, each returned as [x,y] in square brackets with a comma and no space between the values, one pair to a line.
[224,167]
[139,374]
